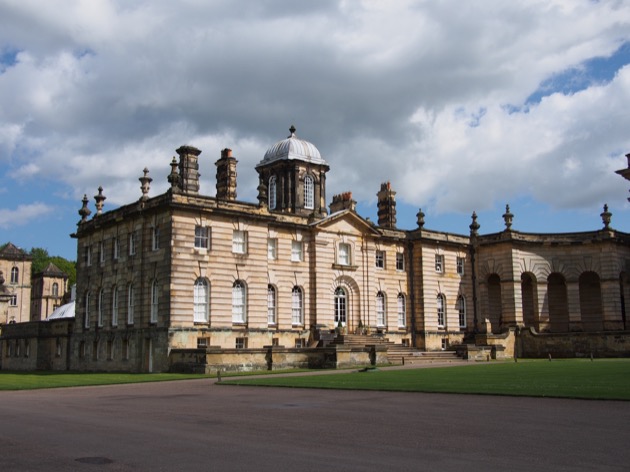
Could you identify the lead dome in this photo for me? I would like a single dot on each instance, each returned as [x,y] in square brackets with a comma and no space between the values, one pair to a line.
[293,148]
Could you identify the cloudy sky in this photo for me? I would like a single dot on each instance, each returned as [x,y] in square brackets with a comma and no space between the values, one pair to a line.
[462,106]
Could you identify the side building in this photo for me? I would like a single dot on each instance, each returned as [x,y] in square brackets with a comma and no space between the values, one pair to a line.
[15,264]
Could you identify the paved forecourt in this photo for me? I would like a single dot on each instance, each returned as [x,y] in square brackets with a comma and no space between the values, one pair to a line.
[198,426]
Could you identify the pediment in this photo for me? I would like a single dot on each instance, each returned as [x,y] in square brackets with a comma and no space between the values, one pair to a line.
[346,222]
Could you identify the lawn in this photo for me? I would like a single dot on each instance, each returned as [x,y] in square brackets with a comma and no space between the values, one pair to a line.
[571,378]
[34,380]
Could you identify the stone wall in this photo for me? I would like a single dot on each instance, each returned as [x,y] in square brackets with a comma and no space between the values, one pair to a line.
[565,345]
[36,345]
[215,359]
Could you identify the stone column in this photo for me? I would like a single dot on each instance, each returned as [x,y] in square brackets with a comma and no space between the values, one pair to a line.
[511,304]
[543,307]
[573,302]
[611,305]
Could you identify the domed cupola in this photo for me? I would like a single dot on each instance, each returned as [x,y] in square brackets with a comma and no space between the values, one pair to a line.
[293,177]
[293,148]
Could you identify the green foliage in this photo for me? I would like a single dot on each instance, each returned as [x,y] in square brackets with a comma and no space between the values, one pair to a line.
[69,267]
[41,259]
[575,378]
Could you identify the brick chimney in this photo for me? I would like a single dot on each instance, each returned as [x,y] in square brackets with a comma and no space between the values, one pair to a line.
[343,201]
[386,206]
[226,176]
[189,169]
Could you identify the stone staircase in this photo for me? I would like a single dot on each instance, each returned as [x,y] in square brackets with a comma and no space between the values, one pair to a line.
[397,353]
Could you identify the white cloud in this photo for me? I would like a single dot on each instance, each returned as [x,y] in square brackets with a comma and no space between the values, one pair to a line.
[23,214]
[412,92]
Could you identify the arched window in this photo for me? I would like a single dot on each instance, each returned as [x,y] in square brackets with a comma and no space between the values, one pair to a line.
[15,275]
[239,302]
[200,312]
[271,305]
[130,303]
[402,310]
[271,192]
[86,319]
[100,307]
[297,306]
[341,307]
[154,301]
[309,192]
[114,305]
[441,314]
[380,309]
[55,289]
[461,309]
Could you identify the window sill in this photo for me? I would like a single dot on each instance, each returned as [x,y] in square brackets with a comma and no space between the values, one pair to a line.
[345,267]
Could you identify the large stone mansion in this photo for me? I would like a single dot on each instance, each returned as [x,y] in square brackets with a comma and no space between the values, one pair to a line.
[182,280]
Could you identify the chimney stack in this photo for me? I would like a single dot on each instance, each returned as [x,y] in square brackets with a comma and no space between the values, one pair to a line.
[189,169]
[386,206]
[343,201]
[226,176]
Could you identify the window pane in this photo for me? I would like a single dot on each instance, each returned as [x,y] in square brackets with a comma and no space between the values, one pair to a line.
[271,305]
[402,316]
[296,306]
[309,197]
[200,301]
[238,302]
[380,309]
[271,192]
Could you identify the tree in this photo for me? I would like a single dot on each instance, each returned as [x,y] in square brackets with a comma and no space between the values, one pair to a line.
[41,259]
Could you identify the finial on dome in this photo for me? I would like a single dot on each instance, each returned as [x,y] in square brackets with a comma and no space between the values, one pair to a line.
[292,130]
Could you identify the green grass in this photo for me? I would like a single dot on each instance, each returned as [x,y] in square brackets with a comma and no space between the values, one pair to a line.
[575,378]
[35,380]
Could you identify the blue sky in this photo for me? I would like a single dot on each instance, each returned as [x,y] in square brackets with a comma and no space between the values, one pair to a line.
[461,107]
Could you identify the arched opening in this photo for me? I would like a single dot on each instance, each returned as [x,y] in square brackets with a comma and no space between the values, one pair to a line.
[494,302]
[440,305]
[591,302]
[529,300]
[239,302]
[558,306]
[341,307]
[271,305]
[381,313]
[297,307]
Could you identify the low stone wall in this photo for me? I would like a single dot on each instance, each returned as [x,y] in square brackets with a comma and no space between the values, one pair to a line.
[504,344]
[601,344]
[36,345]
[215,359]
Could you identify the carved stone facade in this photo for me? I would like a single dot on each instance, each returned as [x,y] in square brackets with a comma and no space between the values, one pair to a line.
[186,276]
